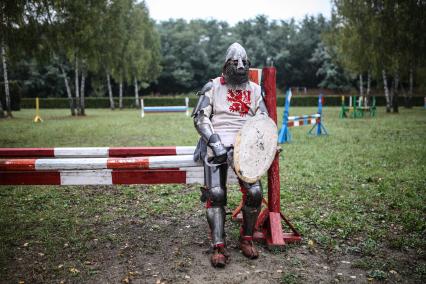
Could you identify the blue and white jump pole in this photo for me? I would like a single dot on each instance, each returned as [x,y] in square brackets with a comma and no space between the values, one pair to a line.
[284,135]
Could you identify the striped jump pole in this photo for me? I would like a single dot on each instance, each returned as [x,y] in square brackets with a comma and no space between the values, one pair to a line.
[92,166]
[318,126]
[159,109]
[95,152]
[128,163]
[284,135]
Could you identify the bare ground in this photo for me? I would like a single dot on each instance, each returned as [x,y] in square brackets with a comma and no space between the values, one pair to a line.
[175,250]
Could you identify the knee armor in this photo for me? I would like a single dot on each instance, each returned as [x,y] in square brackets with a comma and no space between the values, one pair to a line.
[217,196]
[254,194]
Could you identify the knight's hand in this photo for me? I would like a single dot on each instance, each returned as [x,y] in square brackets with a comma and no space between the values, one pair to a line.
[219,150]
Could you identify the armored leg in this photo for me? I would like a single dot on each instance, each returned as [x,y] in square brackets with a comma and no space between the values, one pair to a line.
[215,181]
[251,209]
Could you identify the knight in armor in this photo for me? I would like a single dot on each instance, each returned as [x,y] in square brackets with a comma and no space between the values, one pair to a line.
[224,105]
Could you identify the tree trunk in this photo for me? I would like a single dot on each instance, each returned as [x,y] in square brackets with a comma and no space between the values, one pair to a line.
[77,95]
[6,81]
[395,93]
[67,87]
[367,101]
[136,93]
[82,103]
[361,90]
[111,99]
[120,95]
[410,89]
[1,110]
[385,86]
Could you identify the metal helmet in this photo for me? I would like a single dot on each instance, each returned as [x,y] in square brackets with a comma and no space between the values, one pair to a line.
[236,52]
[236,68]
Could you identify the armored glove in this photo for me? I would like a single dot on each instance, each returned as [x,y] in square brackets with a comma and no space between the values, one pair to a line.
[219,150]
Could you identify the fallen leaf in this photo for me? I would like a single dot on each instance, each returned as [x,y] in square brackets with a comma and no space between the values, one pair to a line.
[125,280]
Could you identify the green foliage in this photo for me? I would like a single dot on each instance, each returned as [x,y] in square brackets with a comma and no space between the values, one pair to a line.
[380,35]
[119,38]
[334,76]
[193,52]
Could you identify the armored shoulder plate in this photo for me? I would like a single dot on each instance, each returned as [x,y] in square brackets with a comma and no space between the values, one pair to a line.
[207,87]
[203,101]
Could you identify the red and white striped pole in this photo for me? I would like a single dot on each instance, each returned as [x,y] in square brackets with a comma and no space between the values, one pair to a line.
[95,152]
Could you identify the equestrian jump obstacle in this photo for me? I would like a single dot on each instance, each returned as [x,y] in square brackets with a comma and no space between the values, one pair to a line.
[142,165]
[184,108]
[284,135]
[100,165]
[357,108]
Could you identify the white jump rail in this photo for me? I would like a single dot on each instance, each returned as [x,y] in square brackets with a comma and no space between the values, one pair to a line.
[154,109]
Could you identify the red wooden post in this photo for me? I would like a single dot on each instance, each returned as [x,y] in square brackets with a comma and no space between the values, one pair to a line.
[270,219]
[269,85]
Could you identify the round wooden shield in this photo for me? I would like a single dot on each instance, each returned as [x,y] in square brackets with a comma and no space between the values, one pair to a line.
[255,148]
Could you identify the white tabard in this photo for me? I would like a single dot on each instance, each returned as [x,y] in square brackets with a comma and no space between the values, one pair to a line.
[230,108]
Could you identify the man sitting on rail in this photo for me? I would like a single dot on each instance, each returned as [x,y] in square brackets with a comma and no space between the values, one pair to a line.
[224,105]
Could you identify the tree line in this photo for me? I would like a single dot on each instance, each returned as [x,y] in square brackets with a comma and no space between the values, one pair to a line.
[384,40]
[108,47]
[67,41]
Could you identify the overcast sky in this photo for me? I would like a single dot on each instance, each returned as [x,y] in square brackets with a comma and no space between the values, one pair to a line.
[233,11]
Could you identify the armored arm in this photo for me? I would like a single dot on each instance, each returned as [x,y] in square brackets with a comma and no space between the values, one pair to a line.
[201,116]
[262,107]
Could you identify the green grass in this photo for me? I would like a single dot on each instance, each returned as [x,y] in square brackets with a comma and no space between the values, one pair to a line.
[360,190]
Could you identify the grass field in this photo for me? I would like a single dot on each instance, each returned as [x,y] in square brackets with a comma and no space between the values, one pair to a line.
[359,192]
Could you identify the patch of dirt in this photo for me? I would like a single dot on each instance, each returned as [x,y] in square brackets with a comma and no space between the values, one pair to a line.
[175,250]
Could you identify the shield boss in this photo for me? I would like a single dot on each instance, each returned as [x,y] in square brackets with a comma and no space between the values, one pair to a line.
[255,148]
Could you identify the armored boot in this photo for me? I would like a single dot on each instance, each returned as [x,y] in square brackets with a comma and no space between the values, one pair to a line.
[216,220]
[251,209]
[247,247]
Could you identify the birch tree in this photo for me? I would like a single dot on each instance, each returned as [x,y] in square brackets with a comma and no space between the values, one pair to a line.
[11,19]
[393,45]
[143,49]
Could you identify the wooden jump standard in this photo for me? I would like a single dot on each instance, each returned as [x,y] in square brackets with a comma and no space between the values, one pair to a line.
[142,165]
